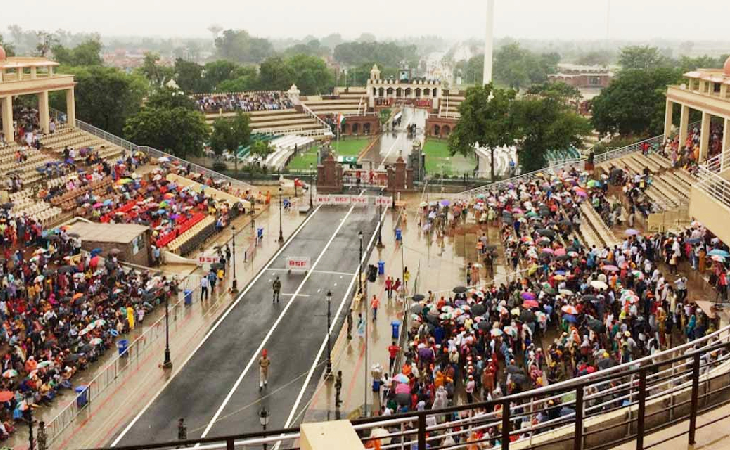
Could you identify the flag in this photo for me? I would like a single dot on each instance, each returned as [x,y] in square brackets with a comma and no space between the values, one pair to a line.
[340,119]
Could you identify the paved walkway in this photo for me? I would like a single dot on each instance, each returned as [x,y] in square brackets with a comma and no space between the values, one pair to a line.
[131,390]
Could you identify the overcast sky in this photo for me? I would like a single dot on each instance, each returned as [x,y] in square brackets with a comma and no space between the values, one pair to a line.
[629,19]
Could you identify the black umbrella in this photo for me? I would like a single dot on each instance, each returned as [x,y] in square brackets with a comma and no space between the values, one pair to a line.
[518,378]
[478,309]
[53,237]
[597,325]
[418,297]
[49,272]
[74,235]
[589,298]
[484,325]
[606,363]
[403,398]
[546,232]
[513,369]
[417,309]
[562,258]
[66,269]
[459,290]
[216,266]
[491,247]
[72,358]
[84,348]
[527,316]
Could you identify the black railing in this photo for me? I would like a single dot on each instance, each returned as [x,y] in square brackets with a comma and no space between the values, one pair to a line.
[596,411]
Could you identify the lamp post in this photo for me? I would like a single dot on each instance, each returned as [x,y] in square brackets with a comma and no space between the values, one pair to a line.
[363,301]
[167,363]
[264,419]
[311,187]
[234,283]
[29,404]
[380,217]
[328,370]
[281,232]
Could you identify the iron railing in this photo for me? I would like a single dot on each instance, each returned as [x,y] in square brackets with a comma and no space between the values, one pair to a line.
[566,164]
[603,409]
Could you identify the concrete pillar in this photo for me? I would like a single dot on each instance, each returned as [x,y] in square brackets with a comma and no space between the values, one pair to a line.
[33,73]
[683,125]
[489,42]
[704,137]
[725,143]
[70,108]
[7,115]
[668,118]
[43,112]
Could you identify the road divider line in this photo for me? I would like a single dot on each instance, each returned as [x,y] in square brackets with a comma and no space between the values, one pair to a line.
[214,327]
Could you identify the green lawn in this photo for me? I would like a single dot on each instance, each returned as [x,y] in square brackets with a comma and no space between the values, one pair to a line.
[303,159]
[438,159]
[350,146]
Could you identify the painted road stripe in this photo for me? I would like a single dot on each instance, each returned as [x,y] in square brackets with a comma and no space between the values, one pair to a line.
[273,328]
[215,326]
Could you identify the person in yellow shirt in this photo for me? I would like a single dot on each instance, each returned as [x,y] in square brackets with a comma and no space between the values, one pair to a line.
[130,317]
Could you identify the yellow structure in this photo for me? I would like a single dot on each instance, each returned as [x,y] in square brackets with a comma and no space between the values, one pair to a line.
[28,76]
[708,91]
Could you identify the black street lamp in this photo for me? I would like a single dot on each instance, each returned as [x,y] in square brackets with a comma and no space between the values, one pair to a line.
[359,280]
[167,363]
[29,404]
[281,232]
[234,283]
[311,187]
[380,219]
[328,370]
[264,419]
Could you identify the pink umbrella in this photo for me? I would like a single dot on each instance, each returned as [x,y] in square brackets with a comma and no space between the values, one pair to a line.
[548,250]
[560,252]
[581,193]
[610,268]
[530,304]
[402,388]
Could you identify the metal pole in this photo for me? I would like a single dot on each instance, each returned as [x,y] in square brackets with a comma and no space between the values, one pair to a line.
[29,402]
[311,187]
[234,283]
[281,232]
[642,411]
[422,445]
[167,363]
[578,436]
[505,425]
[329,344]
[380,224]
[367,334]
[695,399]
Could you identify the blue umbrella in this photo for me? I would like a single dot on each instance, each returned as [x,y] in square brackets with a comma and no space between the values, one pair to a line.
[570,318]
[96,251]
[694,241]
[718,252]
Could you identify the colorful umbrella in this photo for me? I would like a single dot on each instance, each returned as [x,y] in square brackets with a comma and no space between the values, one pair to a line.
[530,304]
[6,396]
[569,309]
[401,378]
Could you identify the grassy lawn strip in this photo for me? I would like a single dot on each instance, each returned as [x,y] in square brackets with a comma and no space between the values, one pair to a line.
[350,146]
[439,161]
[303,159]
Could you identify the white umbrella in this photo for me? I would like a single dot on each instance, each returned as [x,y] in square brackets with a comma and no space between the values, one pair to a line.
[599,284]
[163,159]
[382,434]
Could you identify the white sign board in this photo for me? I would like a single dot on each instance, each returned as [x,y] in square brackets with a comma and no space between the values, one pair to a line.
[207,259]
[340,200]
[359,201]
[322,199]
[382,201]
[298,263]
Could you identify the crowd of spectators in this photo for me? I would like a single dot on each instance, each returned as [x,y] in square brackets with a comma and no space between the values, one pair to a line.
[246,102]
[566,309]
[686,154]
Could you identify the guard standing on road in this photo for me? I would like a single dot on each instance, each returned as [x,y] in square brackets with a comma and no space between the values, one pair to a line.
[264,363]
[277,289]
[182,431]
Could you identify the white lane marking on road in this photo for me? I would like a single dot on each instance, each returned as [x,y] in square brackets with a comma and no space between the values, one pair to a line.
[273,328]
[300,295]
[215,326]
[390,150]
[324,342]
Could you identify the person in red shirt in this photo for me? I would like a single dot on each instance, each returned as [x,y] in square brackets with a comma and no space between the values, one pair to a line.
[393,350]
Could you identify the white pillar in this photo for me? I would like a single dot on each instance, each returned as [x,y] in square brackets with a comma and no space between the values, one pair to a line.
[489,43]
[7,115]
[668,119]
[43,112]
[704,137]
[683,126]
[70,108]
[725,143]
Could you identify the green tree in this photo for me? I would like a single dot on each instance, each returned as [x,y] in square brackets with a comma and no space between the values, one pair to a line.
[642,57]
[169,98]
[261,149]
[87,53]
[105,96]
[9,49]
[385,54]
[546,123]
[557,90]
[596,58]
[178,131]
[311,74]
[518,67]
[46,41]
[219,71]
[275,74]
[189,76]
[230,135]
[239,46]
[155,73]
[634,103]
[484,121]
[471,71]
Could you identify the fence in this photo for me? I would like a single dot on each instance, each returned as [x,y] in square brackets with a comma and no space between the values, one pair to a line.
[596,411]
[524,177]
